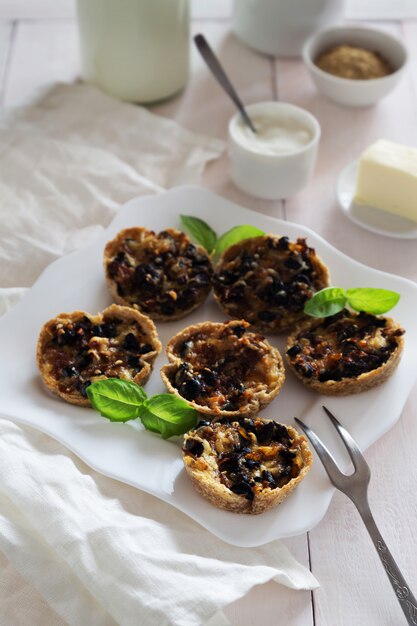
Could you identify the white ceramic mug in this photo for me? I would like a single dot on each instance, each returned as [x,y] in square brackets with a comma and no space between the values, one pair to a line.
[136,50]
[281,27]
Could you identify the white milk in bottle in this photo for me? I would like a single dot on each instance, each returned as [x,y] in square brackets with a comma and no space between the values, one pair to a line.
[135,50]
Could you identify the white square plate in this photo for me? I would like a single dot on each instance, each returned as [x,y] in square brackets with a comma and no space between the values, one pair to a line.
[132,455]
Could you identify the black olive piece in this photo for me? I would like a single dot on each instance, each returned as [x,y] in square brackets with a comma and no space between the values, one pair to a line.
[227,406]
[239,330]
[133,361]
[243,489]
[225,278]
[268,478]
[83,387]
[194,447]
[158,260]
[287,455]
[131,343]
[248,424]
[267,316]
[264,432]
[305,369]
[237,292]
[294,350]
[69,338]
[181,280]
[302,278]
[120,257]
[97,331]
[190,389]
[69,371]
[280,434]
[251,464]
[280,297]
[201,280]
[203,423]
[229,465]
[84,360]
[144,348]
[182,373]
[167,309]
[147,274]
[185,346]
[293,263]
[109,329]
[283,243]
[209,377]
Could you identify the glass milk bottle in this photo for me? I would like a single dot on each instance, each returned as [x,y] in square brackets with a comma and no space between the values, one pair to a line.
[135,50]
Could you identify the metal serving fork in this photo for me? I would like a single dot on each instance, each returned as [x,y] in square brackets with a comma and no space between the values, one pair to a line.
[355,486]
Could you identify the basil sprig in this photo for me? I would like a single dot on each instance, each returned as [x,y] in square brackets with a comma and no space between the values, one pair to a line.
[121,400]
[331,300]
[205,236]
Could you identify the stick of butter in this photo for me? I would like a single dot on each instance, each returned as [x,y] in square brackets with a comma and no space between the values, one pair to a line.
[387,178]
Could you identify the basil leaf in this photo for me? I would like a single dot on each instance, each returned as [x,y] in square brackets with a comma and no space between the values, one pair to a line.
[200,231]
[326,302]
[374,301]
[167,415]
[235,234]
[118,400]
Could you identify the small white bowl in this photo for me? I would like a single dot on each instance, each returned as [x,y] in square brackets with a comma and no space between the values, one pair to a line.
[345,91]
[273,176]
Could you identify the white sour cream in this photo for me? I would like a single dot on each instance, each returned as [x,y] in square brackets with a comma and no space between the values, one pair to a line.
[275,135]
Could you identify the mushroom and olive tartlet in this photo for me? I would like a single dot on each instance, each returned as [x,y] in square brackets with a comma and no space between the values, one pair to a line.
[247,466]
[267,280]
[76,349]
[222,369]
[163,275]
[345,353]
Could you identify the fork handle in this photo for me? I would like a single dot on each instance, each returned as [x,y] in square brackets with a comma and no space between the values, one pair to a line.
[405,597]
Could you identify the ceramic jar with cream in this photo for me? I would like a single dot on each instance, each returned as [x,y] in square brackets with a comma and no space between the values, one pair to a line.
[278,160]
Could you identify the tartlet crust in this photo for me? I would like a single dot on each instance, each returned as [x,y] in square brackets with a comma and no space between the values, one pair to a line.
[252,305]
[207,483]
[270,370]
[347,385]
[124,314]
[146,237]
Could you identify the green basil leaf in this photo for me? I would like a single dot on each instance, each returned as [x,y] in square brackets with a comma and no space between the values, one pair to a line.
[167,415]
[235,234]
[118,400]
[374,301]
[326,302]
[200,231]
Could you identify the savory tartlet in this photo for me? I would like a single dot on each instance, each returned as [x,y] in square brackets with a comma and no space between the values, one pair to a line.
[163,275]
[76,349]
[222,369]
[267,280]
[247,466]
[345,353]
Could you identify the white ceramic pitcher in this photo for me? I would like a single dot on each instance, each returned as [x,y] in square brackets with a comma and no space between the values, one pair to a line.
[280,27]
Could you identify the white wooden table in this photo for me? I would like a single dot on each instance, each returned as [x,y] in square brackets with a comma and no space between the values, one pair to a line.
[38,44]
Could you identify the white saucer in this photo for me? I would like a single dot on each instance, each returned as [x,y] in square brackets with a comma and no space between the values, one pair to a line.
[368,217]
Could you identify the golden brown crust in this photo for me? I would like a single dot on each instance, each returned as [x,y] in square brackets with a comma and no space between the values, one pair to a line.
[240,492]
[380,349]
[107,353]
[267,280]
[222,369]
[163,275]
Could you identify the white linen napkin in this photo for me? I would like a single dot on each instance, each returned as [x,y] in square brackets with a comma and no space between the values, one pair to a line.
[100,552]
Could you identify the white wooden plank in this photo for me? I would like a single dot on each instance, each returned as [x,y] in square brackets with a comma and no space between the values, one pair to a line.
[36,9]
[381,9]
[43,53]
[6,30]
[211,9]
